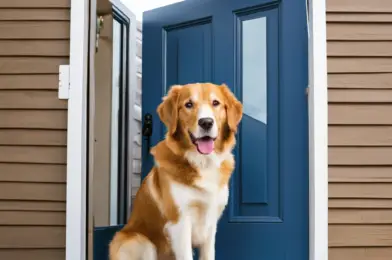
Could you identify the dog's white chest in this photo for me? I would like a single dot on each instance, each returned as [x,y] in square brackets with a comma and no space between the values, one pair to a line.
[201,207]
[205,215]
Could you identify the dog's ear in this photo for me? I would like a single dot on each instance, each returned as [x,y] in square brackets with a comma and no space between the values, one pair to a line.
[168,109]
[233,108]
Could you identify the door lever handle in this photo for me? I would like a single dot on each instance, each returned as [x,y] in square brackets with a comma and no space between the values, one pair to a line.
[147,126]
[147,129]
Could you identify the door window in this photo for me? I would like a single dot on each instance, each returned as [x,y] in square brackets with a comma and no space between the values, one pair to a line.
[119,121]
[256,197]
[111,117]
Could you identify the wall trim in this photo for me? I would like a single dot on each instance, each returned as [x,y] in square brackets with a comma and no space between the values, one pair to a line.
[76,133]
[318,132]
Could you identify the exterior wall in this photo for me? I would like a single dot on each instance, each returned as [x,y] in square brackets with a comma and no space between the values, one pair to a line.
[137,140]
[359,34]
[34,41]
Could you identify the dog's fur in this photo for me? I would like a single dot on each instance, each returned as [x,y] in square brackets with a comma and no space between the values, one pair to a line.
[181,200]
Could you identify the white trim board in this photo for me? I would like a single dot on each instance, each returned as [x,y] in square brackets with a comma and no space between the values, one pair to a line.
[76,133]
[318,132]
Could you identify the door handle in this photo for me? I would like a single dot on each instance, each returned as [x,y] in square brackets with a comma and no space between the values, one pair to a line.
[147,129]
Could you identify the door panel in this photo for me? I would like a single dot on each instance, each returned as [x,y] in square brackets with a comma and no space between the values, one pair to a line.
[196,37]
[258,48]
[257,195]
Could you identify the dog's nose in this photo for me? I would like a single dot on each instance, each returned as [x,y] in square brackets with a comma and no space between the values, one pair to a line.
[206,123]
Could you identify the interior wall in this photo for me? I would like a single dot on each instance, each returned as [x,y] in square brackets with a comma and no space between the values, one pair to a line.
[102,124]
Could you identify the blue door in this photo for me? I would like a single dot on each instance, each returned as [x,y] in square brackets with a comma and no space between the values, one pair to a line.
[259,49]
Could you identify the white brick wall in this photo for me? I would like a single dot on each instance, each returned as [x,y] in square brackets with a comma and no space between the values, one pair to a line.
[137,139]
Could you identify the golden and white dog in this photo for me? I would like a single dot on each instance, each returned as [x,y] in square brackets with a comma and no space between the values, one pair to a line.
[181,200]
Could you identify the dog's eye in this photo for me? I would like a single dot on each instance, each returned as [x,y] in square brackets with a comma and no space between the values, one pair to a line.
[189,104]
[215,103]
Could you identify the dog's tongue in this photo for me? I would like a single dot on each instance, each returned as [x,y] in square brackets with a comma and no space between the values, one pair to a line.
[205,146]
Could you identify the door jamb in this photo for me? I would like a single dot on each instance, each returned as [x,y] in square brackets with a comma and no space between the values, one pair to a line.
[76,229]
[318,132]
[77,143]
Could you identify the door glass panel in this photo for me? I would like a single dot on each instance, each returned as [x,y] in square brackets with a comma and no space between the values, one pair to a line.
[254,68]
[254,98]
[111,116]
[257,189]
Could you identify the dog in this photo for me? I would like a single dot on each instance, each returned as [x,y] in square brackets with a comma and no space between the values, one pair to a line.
[179,203]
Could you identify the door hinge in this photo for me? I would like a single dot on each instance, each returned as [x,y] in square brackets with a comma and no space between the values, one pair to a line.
[99,27]
[64,83]
[307,91]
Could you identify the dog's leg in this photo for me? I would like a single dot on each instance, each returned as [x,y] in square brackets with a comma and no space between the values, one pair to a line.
[207,249]
[181,238]
[132,246]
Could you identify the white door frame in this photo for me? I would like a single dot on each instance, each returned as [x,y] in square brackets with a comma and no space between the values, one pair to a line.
[76,231]
[76,211]
[318,131]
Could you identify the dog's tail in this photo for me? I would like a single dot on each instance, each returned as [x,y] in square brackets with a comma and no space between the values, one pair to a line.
[131,246]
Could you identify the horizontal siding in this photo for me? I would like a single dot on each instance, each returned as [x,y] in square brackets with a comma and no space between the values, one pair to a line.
[33,154]
[32,137]
[359,17]
[359,6]
[32,237]
[359,174]
[32,218]
[31,65]
[137,145]
[360,235]
[32,191]
[38,48]
[360,114]
[360,81]
[359,31]
[34,41]
[31,99]
[360,190]
[359,95]
[23,30]
[33,119]
[12,14]
[26,4]
[29,81]
[359,47]
[361,253]
[364,203]
[358,156]
[360,216]
[41,254]
[28,172]
[363,135]
[13,205]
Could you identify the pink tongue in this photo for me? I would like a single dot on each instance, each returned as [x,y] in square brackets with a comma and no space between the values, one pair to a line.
[205,146]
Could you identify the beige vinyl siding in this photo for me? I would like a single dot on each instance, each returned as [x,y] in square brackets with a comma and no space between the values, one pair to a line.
[359,35]
[34,41]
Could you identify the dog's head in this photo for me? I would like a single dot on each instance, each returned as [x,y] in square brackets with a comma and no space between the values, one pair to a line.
[201,116]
